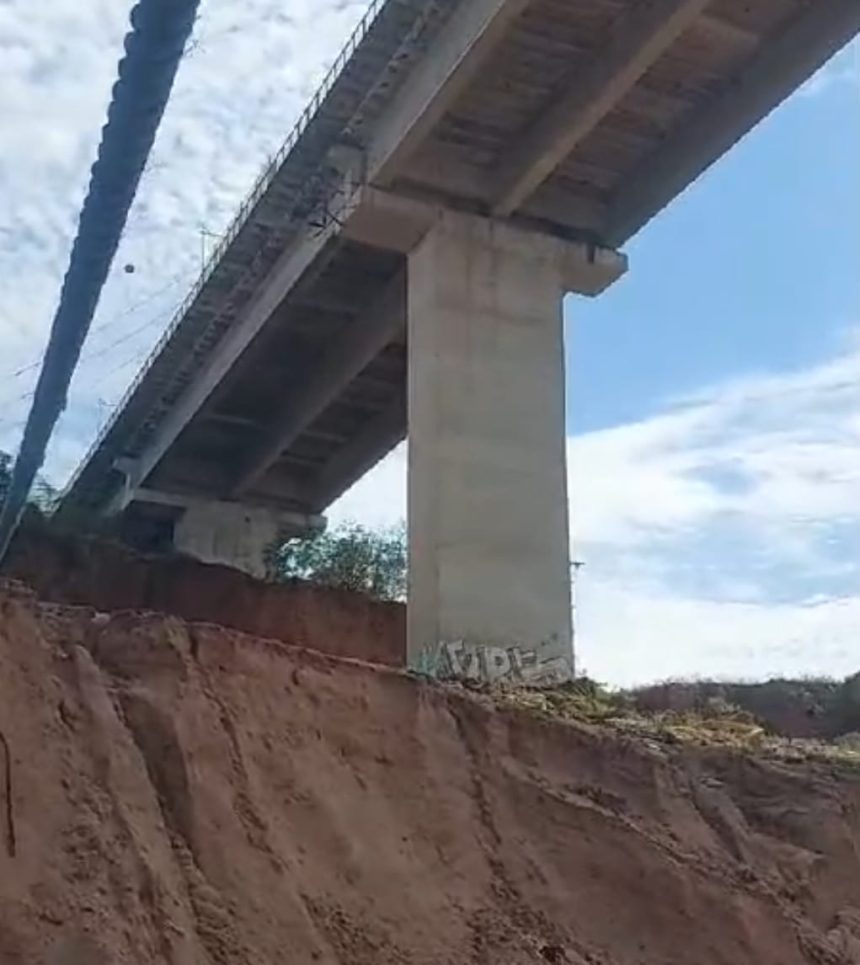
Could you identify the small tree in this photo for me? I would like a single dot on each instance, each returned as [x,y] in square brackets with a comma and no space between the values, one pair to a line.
[349,557]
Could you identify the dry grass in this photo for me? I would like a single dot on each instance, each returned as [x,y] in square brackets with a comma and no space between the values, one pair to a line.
[719,724]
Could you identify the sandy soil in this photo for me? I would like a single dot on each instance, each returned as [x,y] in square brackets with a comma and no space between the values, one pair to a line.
[190,795]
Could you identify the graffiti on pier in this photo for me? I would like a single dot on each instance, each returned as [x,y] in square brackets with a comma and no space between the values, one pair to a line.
[458,660]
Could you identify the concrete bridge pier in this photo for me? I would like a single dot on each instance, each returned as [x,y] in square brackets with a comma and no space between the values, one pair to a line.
[489,570]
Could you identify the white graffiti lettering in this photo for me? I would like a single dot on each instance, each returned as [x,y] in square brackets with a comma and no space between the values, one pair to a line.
[458,660]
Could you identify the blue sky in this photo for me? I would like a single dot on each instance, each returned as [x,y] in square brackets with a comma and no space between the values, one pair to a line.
[754,267]
[714,392]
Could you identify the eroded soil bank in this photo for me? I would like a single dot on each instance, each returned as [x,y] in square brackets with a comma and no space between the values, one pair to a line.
[185,793]
[108,576]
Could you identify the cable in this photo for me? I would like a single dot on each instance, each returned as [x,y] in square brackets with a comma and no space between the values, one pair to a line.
[126,336]
[128,310]
[99,351]
[89,356]
[153,50]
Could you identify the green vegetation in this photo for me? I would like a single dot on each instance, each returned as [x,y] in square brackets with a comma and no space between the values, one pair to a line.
[348,557]
[43,495]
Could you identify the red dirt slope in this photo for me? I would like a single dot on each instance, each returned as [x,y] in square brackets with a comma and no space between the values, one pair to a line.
[189,795]
[109,576]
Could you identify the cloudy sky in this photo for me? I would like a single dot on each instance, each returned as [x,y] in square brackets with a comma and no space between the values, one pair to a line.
[714,393]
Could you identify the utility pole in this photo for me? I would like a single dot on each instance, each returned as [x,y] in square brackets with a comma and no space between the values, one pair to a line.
[575,566]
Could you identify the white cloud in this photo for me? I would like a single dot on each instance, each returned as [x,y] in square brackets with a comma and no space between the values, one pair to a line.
[379,498]
[629,633]
[249,71]
[771,449]
[720,536]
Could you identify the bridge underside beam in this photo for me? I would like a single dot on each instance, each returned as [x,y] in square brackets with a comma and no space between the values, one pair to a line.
[371,218]
[368,217]
[634,44]
[802,47]
[379,436]
[463,47]
[284,276]
[365,337]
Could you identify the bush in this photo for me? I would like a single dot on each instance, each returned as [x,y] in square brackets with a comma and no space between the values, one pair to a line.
[350,557]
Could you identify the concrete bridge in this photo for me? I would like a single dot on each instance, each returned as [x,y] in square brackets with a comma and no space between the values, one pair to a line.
[400,267]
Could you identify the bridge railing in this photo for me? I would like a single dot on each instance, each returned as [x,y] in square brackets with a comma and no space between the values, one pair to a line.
[264,180]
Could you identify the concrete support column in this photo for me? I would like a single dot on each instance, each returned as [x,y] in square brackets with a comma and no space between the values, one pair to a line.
[489,591]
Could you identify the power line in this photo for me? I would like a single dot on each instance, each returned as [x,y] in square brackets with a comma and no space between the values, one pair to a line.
[126,337]
[89,356]
[129,310]
[153,50]
[101,351]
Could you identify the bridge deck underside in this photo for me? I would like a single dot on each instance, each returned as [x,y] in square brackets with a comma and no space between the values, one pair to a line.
[542,57]
[209,456]
[712,79]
